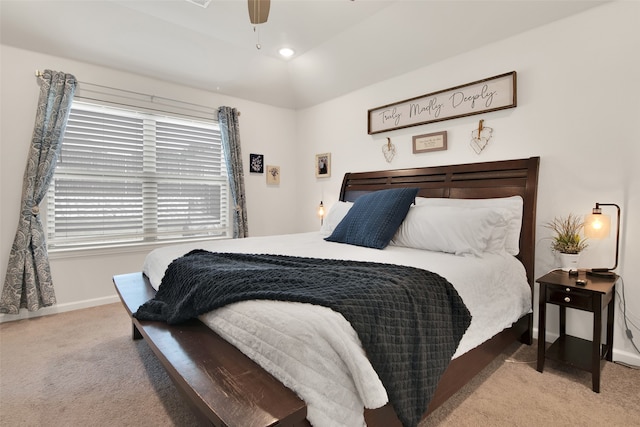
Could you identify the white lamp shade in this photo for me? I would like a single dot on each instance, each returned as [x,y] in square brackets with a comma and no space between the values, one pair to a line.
[597,226]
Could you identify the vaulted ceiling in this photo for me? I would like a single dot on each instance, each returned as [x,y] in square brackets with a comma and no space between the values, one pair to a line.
[340,45]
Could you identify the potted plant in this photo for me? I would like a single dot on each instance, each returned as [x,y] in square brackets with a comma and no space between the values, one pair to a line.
[567,240]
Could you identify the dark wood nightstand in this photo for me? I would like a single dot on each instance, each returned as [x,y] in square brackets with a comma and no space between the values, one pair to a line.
[558,288]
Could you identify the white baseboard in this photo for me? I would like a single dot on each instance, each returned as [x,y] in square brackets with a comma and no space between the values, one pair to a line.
[626,357]
[59,308]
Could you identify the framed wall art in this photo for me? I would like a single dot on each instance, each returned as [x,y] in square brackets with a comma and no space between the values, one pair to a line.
[430,142]
[256,163]
[273,175]
[323,165]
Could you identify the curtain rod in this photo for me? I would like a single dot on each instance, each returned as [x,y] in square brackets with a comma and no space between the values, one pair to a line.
[152,98]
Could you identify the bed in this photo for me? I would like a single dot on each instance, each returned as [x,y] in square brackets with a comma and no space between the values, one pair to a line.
[225,387]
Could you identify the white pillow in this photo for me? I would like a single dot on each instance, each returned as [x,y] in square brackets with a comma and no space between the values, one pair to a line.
[333,218]
[512,204]
[450,229]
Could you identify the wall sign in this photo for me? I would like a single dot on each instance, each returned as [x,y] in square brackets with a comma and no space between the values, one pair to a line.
[430,142]
[482,96]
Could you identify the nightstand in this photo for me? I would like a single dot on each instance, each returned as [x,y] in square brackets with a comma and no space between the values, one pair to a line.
[558,288]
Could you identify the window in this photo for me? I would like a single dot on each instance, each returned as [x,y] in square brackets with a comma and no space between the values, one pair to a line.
[129,177]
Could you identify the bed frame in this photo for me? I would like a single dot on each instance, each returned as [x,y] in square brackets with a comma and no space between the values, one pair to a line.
[225,388]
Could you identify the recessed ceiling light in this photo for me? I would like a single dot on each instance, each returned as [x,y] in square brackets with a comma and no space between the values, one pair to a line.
[286,52]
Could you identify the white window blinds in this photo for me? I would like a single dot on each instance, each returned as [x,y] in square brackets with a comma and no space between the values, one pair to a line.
[126,177]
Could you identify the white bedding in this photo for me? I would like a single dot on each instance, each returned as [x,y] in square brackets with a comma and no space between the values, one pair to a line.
[315,351]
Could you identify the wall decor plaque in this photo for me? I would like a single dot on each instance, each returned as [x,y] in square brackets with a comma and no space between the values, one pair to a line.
[491,94]
[430,142]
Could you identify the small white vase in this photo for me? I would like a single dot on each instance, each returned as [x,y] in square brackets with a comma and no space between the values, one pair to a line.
[569,261]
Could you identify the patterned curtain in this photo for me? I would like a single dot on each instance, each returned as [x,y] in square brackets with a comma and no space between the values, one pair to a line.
[230,132]
[28,281]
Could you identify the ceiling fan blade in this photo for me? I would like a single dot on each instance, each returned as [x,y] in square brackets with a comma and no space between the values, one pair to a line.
[259,11]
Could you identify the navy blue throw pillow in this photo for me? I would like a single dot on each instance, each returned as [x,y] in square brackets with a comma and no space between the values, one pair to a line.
[374,218]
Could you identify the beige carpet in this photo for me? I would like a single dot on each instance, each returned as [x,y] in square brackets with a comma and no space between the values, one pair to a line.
[82,368]
[511,392]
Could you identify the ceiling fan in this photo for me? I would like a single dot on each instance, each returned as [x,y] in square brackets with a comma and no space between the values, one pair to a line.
[259,11]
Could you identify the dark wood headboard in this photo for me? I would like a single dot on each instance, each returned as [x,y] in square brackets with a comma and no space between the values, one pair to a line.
[466,181]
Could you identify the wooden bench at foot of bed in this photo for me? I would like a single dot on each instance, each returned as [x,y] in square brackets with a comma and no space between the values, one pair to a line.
[221,384]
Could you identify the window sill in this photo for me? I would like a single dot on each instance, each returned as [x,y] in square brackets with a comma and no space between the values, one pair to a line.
[118,250]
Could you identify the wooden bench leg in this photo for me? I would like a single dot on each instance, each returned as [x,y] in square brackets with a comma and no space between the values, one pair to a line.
[136,333]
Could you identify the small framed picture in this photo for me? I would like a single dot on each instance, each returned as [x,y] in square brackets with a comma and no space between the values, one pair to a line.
[430,142]
[323,165]
[256,163]
[273,175]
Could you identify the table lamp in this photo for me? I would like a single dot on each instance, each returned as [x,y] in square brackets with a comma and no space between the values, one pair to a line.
[321,212]
[598,226]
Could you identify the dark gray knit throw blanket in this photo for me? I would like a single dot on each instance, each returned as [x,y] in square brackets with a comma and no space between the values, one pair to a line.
[409,320]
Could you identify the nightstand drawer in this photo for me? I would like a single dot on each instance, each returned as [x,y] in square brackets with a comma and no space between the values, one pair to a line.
[569,297]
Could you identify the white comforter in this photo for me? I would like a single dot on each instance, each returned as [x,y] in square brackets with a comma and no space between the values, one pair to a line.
[314,351]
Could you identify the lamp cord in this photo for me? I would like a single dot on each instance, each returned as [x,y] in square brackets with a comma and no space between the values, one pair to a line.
[623,306]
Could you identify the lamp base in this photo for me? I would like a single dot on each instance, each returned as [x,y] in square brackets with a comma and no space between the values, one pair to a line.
[600,272]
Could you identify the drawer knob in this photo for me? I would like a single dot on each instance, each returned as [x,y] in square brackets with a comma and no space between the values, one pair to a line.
[567,299]
[568,289]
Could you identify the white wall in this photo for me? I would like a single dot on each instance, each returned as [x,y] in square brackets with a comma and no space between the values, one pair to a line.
[84,279]
[578,109]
